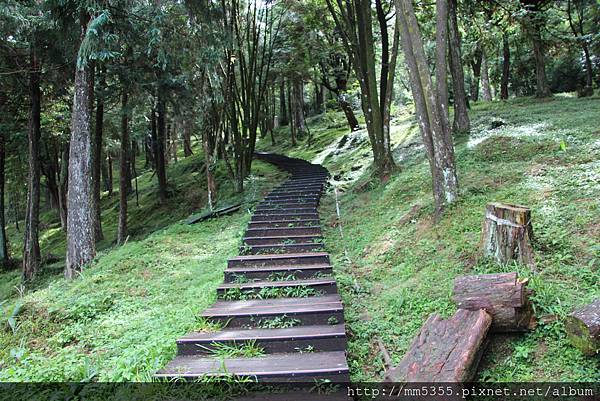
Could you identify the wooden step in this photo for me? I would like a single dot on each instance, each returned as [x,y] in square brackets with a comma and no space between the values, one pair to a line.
[284,216]
[281,248]
[283,231]
[269,368]
[323,285]
[321,338]
[284,223]
[292,211]
[288,259]
[297,196]
[283,239]
[285,206]
[326,309]
[263,273]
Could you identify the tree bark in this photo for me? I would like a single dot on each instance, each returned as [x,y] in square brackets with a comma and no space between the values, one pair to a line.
[502,295]
[64,184]
[283,114]
[461,116]
[124,165]
[505,67]
[445,350]
[437,141]
[583,328]
[485,78]
[31,246]
[159,147]
[81,247]
[507,233]
[476,67]
[534,31]
[348,112]
[297,109]
[4,257]
[97,155]
[187,137]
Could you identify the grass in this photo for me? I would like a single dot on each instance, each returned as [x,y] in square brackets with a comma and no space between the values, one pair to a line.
[120,319]
[394,266]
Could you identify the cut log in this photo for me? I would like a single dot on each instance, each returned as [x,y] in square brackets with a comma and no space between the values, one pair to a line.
[502,295]
[507,233]
[445,350]
[583,328]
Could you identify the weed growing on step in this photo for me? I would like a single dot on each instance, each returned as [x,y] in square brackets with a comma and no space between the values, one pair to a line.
[247,349]
[302,291]
[279,322]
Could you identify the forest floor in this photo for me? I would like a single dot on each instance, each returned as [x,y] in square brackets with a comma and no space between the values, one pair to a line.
[394,267]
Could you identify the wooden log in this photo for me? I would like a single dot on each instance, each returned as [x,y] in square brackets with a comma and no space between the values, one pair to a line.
[583,328]
[502,295]
[445,350]
[507,233]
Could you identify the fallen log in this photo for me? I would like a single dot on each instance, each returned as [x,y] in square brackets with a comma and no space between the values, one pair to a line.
[507,233]
[445,350]
[213,213]
[502,295]
[583,328]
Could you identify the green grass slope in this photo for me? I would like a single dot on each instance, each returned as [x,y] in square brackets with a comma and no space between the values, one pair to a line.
[120,319]
[395,266]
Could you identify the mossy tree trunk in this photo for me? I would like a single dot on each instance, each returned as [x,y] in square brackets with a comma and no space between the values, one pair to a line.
[461,116]
[122,230]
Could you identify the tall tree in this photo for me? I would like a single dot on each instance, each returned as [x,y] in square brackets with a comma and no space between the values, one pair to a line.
[576,16]
[430,112]
[31,245]
[81,246]
[353,19]
[505,67]
[533,23]
[124,163]
[4,257]
[97,153]
[461,116]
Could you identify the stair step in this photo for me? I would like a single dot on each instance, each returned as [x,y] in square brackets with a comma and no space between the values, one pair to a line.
[302,197]
[325,285]
[284,223]
[284,239]
[263,273]
[285,206]
[283,231]
[287,259]
[321,310]
[284,216]
[305,367]
[281,248]
[292,339]
[292,211]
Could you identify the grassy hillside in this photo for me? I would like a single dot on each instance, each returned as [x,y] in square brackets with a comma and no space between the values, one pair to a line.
[395,267]
[120,320]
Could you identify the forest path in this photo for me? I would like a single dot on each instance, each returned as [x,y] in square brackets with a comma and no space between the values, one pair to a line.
[281,316]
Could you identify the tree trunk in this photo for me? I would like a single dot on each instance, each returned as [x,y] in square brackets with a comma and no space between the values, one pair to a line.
[211,187]
[534,31]
[438,144]
[445,350]
[97,155]
[187,137]
[507,233]
[64,184]
[4,257]
[476,66]
[461,122]
[502,295]
[319,99]
[583,328]
[31,246]
[159,147]
[485,78]
[348,112]
[283,114]
[107,174]
[297,108]
[81,247]
[505,67]
[124,161]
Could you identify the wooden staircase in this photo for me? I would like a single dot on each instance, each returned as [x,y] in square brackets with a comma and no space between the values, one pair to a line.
[283,276]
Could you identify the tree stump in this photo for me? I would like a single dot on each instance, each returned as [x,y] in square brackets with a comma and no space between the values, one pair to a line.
[445,350]
[502,295]
[507,233]
[583,328]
